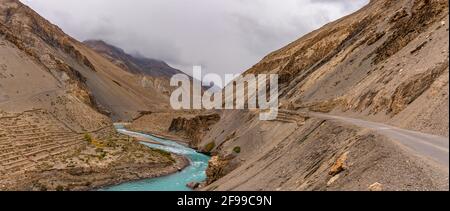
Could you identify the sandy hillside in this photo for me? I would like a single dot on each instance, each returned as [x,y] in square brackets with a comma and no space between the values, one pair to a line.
[57,98]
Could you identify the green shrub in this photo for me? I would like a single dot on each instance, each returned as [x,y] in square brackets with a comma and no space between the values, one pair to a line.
[87,138]
[237,150]
[60,188]
[42,188]
[209,147]
[102,155]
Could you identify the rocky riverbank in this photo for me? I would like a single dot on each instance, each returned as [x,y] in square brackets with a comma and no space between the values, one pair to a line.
[98,162]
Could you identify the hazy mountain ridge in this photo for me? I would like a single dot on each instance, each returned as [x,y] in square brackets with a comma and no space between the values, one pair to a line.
[132,63]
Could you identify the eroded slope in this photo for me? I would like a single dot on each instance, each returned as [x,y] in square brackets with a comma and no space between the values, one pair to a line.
[55,98]
[387,62]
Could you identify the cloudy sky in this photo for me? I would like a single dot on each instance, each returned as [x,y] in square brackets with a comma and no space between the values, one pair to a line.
[224,36]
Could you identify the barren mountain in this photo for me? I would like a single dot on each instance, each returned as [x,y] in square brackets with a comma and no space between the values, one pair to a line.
[55,98]
[363,106]
[386,64]
[155,73]
[134,64]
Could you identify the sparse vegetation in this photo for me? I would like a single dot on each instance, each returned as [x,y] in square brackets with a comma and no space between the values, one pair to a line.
[237,149]
[165,154]
[88,138]
[102,155]
[209,147]
[111,144]
[60,188]
[97,143]
[161,152]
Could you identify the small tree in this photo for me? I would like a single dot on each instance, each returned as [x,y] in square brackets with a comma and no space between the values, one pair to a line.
[237,150]
[60,188]
[209,147]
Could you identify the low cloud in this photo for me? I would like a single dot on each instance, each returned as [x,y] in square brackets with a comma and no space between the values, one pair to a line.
[224,36]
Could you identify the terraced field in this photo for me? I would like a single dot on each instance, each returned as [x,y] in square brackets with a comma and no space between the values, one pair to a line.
[33,137]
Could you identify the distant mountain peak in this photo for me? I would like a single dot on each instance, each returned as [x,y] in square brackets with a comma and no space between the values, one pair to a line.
[135,63]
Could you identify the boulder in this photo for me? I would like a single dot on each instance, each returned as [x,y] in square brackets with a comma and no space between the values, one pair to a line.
[376,187]
[339,166]
[216,168]
[193,185]
[333,179]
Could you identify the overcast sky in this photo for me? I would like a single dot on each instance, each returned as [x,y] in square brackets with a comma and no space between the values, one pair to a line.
[224,36]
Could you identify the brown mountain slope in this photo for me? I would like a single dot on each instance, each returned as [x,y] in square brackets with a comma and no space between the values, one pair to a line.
[133,64]
[387,63]
[113,89]
[52,135]
[155,74]
[367,62]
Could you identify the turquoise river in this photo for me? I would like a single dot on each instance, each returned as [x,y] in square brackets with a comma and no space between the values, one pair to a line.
[174,182]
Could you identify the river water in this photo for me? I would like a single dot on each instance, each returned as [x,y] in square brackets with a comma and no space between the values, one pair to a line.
[174,182]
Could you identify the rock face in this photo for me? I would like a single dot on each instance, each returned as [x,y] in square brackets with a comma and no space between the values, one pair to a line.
[339,165]
[217,168]
[193,185]
[376,187]
[380,61]
[387,62]
[195,128]
[414,87]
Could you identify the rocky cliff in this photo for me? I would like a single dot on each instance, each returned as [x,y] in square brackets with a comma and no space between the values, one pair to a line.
[367,62]
[386,63]
[194,129]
